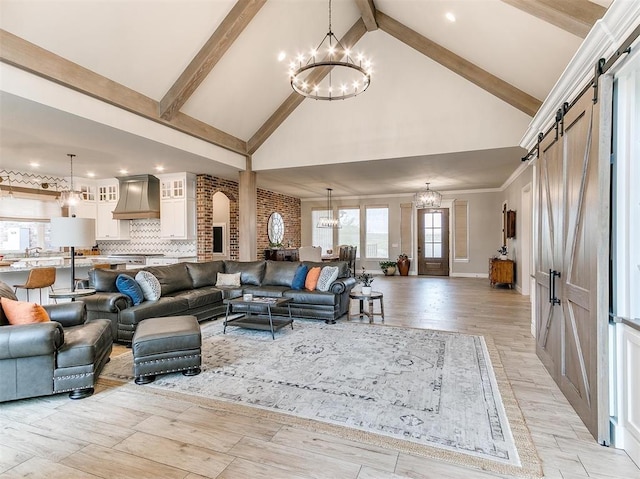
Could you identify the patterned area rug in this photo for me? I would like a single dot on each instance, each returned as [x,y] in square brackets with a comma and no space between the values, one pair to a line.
[433,393]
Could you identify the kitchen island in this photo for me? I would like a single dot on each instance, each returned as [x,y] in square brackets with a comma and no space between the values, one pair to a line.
[18,272]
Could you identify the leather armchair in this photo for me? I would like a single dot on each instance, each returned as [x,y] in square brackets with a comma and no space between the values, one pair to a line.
[65,354]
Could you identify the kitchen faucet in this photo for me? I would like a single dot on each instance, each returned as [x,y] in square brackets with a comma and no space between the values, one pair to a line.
[36,251]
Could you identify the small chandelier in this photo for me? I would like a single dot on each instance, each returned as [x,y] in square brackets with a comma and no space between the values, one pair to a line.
[70,197]
[329,221]
[427,198]
[347,78]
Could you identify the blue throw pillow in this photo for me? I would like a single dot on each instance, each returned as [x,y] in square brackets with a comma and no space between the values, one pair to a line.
[127,285]
[299,277]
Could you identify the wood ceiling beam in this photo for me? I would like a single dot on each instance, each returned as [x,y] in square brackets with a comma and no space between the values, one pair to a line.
[368,12]
[209,55]
[485,80]
[292,102]
[574,16]
[27,56]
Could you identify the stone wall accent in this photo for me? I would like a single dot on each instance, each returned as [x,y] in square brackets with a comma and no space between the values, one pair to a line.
[268,202]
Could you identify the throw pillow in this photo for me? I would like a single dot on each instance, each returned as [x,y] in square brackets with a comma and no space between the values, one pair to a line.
[327,276]
[228,279]
[300,277]
[311,281]
[21,312]
[149,285]
[127,285]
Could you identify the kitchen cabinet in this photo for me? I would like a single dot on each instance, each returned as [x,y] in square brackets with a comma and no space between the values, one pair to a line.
[178,206]
[87,207]
[107,198]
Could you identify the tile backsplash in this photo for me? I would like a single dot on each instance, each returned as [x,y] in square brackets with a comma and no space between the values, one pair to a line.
[145,238]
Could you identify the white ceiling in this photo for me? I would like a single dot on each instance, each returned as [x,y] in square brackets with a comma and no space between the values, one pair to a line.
[417,122]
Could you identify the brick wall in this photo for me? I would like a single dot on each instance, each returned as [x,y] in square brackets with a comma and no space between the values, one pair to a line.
[268,202]
[206,187]
[288,207]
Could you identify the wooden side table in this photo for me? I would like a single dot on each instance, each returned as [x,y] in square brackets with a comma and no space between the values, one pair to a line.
[369,298]
[501,271]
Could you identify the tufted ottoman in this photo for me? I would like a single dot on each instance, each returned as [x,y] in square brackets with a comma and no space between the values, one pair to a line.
[166,345]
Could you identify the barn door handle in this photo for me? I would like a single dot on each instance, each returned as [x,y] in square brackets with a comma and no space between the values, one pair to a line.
[552,286]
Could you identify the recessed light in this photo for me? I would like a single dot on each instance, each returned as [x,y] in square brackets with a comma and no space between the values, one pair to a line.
[282,56]
[123,172]
[90,174]
[159,168]
[34,164]
[450,16]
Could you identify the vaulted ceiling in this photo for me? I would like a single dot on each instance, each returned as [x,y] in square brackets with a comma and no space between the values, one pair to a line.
[196,85]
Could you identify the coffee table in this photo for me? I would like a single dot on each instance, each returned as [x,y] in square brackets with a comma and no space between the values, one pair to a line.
[369,298]
[254,314]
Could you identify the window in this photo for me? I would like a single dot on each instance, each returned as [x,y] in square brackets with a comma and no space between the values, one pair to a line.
[377,232]
[349,234]
[321,236]
[25,223]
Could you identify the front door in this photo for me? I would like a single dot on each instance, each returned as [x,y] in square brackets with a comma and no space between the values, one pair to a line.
[433,241]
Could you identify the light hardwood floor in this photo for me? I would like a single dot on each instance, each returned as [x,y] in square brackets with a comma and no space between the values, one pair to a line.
[133,434]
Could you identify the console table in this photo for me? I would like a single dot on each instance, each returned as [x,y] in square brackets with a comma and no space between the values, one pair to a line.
[281,254]
[501,271]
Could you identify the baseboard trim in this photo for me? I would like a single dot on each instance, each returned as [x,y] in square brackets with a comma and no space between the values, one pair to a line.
[469,275]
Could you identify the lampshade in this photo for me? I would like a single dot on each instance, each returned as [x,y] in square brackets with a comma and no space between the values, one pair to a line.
[73,231]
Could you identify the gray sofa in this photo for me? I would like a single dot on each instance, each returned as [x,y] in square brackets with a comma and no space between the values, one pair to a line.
[189,289]
[65,354]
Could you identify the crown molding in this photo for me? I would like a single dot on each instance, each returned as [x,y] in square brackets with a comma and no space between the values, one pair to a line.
[602,42]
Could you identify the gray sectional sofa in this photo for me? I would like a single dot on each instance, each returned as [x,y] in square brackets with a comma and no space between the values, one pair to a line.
[190,288]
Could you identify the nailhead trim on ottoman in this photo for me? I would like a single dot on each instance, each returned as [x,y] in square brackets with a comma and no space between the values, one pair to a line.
[166,345]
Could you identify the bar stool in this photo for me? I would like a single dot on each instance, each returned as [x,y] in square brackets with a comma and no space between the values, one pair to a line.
[38,278]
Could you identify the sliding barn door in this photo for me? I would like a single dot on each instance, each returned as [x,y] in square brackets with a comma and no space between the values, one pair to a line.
[570,272]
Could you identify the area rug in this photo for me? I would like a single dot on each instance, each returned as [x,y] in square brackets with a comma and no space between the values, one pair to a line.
[433,393]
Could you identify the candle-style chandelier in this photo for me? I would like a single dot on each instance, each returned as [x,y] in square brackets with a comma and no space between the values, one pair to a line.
[330,71]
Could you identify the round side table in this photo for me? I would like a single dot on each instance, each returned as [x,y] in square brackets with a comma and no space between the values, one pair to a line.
[369,298]
[67,293]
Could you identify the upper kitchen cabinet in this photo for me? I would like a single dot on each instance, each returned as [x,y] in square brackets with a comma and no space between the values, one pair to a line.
[107,198]
[178,206]
[87,207]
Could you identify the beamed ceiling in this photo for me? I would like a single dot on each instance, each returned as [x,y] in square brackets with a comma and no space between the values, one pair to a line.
[195,85]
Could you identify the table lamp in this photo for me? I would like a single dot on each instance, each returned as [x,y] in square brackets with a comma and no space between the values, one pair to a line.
[73,232]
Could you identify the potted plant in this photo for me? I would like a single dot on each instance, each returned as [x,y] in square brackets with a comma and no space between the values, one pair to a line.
[503,252]
[388,267]
[366,279]
[403,264]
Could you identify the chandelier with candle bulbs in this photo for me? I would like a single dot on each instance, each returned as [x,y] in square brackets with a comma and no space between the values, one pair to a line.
[330,71]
